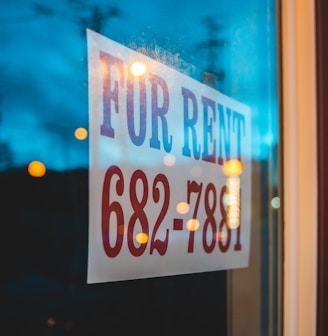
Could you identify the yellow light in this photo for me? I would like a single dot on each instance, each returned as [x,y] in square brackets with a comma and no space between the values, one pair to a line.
[192,224]
[141,238]
[182,207]
[36,169]
[81,133]
[232,168]
[138,69]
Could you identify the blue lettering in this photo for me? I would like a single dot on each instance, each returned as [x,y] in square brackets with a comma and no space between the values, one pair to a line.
[110,94]
[139,139]
[189,123]
[158,112]
[207,130]
[224,131]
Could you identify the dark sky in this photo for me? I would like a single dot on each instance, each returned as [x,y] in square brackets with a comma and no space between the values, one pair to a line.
[43,65]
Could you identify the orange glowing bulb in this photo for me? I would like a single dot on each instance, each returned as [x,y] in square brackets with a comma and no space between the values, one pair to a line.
[192,224]
[232,168]
[142,238]
[138,69]
[81,133]
[36,169]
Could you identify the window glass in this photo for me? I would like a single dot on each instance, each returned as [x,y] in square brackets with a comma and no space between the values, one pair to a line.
[45,103]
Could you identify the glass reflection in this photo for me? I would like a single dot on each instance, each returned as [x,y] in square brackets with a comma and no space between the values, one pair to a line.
[230,46]
[233,169]
[212,51]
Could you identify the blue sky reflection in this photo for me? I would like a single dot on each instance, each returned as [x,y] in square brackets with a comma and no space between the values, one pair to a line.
[43,65]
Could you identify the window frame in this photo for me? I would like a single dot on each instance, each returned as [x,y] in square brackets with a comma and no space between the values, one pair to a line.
[299,166]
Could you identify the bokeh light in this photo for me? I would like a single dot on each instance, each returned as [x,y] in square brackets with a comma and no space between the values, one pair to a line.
[192,224]
[182,207]
[138,69]
[232,168]
[81,133]
[142,238]
[36,169]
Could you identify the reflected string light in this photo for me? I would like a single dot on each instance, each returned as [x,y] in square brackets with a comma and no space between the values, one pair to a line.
[81,133]
[233,208]
[192,224]
[233,168]
[142,238]
[36,169]
[138,69]
[182,208]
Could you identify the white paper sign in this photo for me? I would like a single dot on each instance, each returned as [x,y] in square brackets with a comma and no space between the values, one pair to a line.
[160,201]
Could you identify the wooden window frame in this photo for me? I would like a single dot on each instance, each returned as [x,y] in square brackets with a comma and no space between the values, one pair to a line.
[300,167]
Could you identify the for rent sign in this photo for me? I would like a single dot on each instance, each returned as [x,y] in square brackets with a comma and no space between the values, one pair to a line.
[170,170]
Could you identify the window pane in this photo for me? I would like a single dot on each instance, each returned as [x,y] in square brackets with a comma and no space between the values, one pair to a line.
[226,48]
